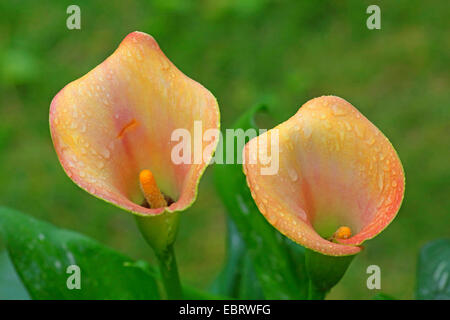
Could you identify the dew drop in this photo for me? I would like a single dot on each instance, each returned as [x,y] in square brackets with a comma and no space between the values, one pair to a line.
[347,125]
[307,131]
[105,153]
[165,65]
[370,141]
[380,202]
[380,182]
[358,131]
[388,200]
[337,110]
[292,174]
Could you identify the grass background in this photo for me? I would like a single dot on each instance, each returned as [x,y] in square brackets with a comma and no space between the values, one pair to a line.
[244,51]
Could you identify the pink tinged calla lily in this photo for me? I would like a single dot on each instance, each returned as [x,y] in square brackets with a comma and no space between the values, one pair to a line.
[340,181]
[116,121]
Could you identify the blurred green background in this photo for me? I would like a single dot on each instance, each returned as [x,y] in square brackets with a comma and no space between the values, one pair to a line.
[244,51]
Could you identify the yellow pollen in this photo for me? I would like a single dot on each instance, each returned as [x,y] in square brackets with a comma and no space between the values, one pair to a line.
[343,232]
[150,190]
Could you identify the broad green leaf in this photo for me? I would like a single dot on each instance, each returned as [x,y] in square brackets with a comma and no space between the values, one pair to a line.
[271,257]
[11,288]
[227,282]
[383,296]
[42,253]
[237,279]
[249,286]
[433,271]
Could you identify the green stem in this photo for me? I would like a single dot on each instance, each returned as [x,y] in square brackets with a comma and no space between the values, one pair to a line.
[160,233]
[169,274]
[314,293]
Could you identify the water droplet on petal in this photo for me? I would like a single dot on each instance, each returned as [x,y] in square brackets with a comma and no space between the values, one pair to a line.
[370,141]
[380,182]
[292,174]
[347,125]
[388,200]
[165,64]
[105,153]
[307,130]
[337,110]
[358,131]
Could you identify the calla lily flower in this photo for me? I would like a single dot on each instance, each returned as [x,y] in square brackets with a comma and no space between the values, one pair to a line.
[340,181]
[112,129]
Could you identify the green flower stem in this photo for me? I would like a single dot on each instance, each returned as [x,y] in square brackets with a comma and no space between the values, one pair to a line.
[314,293]
[160,233]
[169,273]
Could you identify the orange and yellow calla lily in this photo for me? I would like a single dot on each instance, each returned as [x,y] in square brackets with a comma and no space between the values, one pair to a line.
[112,129]
[340,181]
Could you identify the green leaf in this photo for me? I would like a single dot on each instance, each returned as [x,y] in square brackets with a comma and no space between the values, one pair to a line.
[433,271]
[237,279]
[11,288]
[41,254]
[227,282]
[383,296]
[272,258]
[249,287]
